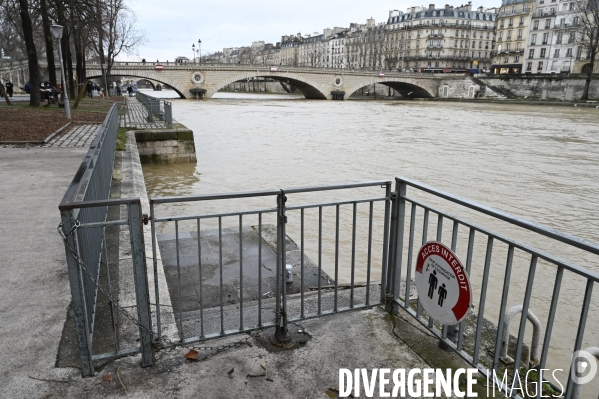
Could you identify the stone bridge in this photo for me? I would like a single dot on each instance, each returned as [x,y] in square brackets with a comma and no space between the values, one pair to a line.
[313,83]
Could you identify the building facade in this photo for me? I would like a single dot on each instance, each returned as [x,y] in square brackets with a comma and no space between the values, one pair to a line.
[443,38]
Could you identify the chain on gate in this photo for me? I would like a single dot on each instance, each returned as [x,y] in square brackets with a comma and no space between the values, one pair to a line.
[156,338]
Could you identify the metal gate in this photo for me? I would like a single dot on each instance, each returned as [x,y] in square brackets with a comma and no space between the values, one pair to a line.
[213,318]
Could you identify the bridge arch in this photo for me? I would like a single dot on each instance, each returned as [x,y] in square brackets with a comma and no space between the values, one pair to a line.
[405,86]
[177,86]
[309,88]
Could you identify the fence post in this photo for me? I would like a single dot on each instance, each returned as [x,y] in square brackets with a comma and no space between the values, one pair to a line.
[281,332]
[149,106]
[140,275]
[397,233]
[78,297]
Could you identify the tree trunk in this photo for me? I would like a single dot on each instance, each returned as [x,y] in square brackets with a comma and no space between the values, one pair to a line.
[587,84]
[49,42]
[79,57]
[34,68]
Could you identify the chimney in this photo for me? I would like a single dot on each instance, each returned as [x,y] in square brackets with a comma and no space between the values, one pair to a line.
[431,6]
[480,9]
[447,6]
[413,10]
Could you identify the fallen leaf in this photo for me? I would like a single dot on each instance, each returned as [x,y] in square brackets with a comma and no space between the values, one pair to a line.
[231,371]
[107,377]
[332,393]
[192,355]
[263,368]
[249,344]
[268,379]
[260,356]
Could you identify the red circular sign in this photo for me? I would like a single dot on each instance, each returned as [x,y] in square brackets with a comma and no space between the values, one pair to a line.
[442,283]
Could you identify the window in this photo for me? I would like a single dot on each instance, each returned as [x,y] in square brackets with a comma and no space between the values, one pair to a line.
[576,21]
[579,53]
[533,39]
[543,51]
[507,47]
[572,37]
[529,66]
[536,25]
[571,7]
[506,60]
[501,23]
[558,39]
[540,66]
[547,23]
[473,44]
[480,44]
[521,21]
[519,33]
[545,37]
[517,58]
[500,35]
[569,52]
[456,43]
[511,22]
[562,21]
[531,53]
[556,53]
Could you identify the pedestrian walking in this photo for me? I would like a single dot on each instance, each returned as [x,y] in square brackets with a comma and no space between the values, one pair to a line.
[90,87]
[9,88]
[100,93]
[130,90]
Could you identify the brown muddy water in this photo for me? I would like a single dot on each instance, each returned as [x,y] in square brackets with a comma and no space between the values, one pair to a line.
[539,163]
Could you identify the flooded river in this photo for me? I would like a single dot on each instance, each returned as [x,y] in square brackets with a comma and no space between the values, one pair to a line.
[539,163]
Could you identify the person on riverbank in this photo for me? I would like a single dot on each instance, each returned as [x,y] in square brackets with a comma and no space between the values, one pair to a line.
[9,88]
[100,93]
[130,90]
[90,87]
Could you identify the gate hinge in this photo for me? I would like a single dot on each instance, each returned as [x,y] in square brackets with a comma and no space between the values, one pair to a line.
[393,195]
[145,218]
[284,218]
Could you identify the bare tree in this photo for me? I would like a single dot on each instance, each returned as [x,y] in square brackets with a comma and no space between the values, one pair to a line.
[587,15]
[34,68]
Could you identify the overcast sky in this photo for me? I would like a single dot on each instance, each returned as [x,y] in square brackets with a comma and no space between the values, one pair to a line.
[172,26]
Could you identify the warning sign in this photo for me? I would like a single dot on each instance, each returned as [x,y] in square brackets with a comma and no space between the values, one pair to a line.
[442,283]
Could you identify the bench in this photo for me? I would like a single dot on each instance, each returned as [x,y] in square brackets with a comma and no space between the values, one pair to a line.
[591,102]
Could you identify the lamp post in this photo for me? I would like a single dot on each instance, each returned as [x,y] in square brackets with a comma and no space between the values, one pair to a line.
[57,33]
[200,50]
[193,51]
[104,66]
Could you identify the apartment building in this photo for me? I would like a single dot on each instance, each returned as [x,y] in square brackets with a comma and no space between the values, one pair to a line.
[512,30]
[445,38]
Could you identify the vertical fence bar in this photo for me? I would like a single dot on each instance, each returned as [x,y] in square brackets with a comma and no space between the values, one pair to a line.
[580,334]
[260,270]
[369,261]
[353,255]
[140,275]
[395,268]
[410,255]
[78,297]
[220,261]
[468,267]
[524,317]
[550,319]
[155,264]
[451,331]
[483,297]
[240,272]
[336,258]
[504,297]
[181,336]
[319,259]
[201,283]
[386,244]
[281,332]
[302,264]
[424,241]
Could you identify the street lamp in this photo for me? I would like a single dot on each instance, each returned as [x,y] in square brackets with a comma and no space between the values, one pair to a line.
[57,33]
[104,66]
[200,50]
[193,51]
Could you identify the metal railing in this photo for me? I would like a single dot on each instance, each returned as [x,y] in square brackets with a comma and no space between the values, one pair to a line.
[84,212]
[201,255]
[157,108]
[453,336]
[316,298]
